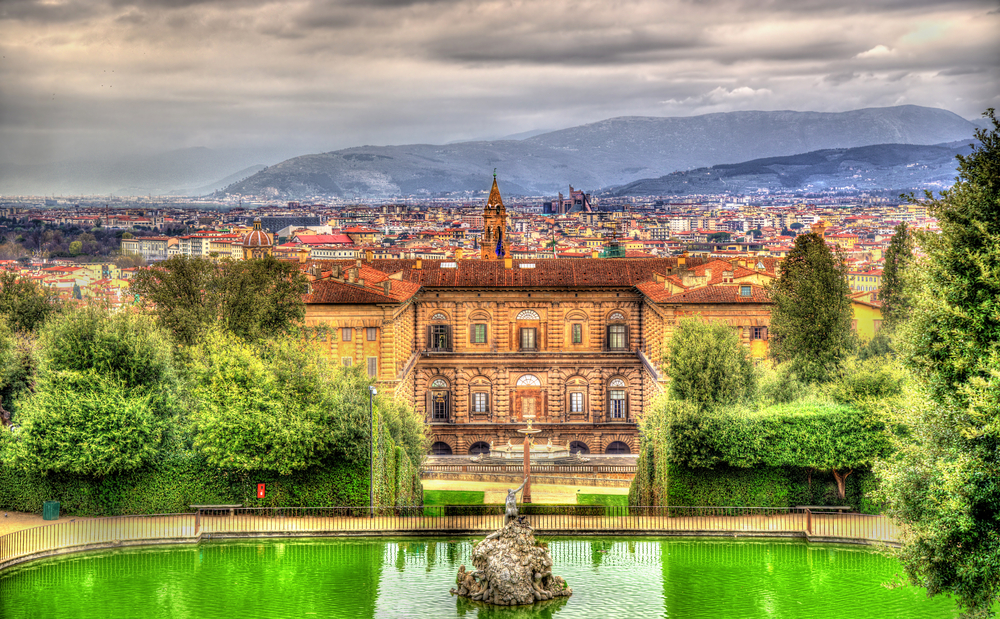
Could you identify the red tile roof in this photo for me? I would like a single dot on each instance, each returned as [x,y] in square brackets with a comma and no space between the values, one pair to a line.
[331,291]
[705,294]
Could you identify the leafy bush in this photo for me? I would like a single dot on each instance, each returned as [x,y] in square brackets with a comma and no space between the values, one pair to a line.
[864,382]
[779,384]
[104,397]
[282,407]
[708,365]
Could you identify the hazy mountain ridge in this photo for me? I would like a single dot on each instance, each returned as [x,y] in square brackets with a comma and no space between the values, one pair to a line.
[608,153]
[881,166]
[187,171]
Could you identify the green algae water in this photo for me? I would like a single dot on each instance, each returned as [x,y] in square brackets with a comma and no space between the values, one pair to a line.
[681,578]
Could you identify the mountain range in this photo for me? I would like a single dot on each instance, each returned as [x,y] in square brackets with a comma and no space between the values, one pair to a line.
[613,153]
[600,155]
[893,167]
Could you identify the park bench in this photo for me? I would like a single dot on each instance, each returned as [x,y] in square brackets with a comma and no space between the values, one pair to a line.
[208,508]
[826,508]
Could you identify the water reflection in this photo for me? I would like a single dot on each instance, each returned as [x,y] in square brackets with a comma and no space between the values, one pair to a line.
[633,577]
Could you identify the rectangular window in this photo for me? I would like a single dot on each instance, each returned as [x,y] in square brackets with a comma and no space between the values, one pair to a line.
[480,402]
[528,338]
[439,337]
[617,409]
[877,324]
[372,366]
[440,406]
[577,333]
[346,361]
[576,402]
[616,337]
[371,333]
[346,334]
[478,334]
[758,333]
[744,291]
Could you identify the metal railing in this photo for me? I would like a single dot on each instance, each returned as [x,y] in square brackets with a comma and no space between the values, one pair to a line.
[98,532]
[448,519]
[535,468]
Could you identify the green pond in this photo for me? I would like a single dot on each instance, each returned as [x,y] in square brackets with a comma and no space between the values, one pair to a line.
[378,577]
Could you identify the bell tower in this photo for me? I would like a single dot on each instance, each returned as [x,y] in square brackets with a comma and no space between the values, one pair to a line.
[495,243]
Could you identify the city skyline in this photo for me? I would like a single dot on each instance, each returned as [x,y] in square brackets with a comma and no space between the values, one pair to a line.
[96,79]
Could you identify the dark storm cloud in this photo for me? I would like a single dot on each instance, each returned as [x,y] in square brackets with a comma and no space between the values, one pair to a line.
[317,75]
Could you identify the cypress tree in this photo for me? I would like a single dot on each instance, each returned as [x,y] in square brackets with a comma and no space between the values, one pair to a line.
[811,317]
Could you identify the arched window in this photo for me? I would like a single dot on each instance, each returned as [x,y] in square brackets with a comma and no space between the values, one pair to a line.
[578,447]
[440,448]
[617,332]
[528,334]
[528,315]
[479,447]
[439,333]
[617,448]
[529,380]
[439,401]
[617,399]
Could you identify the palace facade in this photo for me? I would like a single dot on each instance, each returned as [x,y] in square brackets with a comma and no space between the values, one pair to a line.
[475,345]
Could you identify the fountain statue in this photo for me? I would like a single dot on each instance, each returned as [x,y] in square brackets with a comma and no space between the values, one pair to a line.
[511,568]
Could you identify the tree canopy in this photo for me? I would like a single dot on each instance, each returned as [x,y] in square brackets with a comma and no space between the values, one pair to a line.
[944,483]
[280,406]
[708,365]
[252,299]
[25,304]
[891,291]
[104,395]
[811,316]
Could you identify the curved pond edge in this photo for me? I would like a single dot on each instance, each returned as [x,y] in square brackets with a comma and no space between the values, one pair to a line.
[186,540]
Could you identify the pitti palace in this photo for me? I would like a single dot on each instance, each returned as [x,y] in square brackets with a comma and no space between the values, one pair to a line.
[474,345]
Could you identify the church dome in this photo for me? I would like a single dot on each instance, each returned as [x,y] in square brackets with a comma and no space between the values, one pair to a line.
[256,237]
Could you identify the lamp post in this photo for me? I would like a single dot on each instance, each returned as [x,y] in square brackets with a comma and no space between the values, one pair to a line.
[372,392]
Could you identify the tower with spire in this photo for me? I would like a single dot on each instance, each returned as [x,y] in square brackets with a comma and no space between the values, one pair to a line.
[495,243]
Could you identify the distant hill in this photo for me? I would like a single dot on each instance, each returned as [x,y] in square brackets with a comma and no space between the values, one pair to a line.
[177,172]
[900,167]
[603,154]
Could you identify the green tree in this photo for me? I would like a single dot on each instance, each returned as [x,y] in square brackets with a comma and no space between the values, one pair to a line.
[718,237]
[76,248]
[944,484]
[252,299]
[811,316]
[25,304]
[280,407]
[708,365]
[891,292]
[105,395]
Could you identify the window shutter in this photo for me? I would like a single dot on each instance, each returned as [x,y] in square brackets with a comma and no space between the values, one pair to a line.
[607,338]
[628,404]
[447,406]
[447,337]
[430,406]
[763,333]
[627,333]
[430,336]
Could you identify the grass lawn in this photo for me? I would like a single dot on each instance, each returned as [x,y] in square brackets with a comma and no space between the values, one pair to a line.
[614,500]
[453,497]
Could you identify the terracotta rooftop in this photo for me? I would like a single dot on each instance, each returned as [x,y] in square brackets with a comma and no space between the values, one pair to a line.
[705,294]
[545,272]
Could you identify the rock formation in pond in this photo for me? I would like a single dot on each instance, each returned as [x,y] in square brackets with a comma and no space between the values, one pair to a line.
[511,568]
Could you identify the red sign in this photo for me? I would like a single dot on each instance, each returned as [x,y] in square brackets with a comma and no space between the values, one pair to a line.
[260,491]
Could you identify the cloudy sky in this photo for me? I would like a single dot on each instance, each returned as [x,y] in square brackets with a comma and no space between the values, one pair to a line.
[91,77]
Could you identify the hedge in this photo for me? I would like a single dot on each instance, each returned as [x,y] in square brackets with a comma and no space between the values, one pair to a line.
[174,483]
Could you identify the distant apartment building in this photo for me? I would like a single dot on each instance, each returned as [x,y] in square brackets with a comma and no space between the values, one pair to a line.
[866,281]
